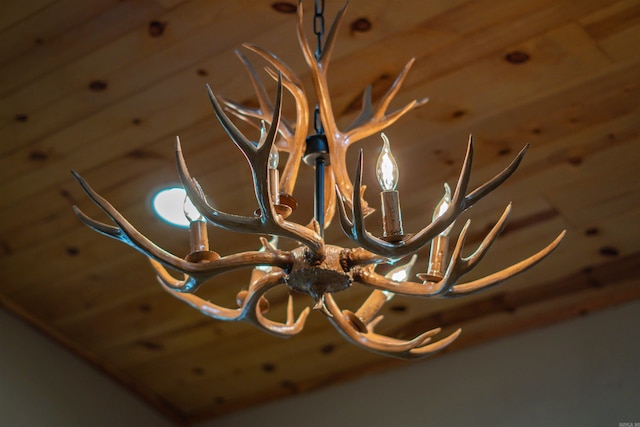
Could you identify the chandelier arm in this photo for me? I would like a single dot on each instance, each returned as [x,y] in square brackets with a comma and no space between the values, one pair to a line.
[218,218]
[269,221]
[504,274]
[125,232]
[369,340]
[420,346]
[459,204]
[250,309]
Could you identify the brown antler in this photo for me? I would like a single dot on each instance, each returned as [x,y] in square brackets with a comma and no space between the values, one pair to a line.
[420,346]
[458,267]
[355,227]
[293,138]
[367,123]
[195,273]
[252,303]
[269,221]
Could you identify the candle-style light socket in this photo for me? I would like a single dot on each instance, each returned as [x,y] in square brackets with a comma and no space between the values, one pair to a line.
[199,241]
[437,262]
[198,236]
[274,184]
[391,216]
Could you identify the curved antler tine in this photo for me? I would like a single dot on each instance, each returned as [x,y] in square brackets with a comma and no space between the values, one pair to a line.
[246,146]
[496,181]
[365,113]
[219,218]
[393,90]
[473,259]
[252,312]
[126,232]
[275,120]
[100,227]
[203,306]
[372,126]
[427,350]
[369,341]
[188,284]
[256,82]
[330,40]
[284,329]
[345,222]
[302,38]
[287,72]
[502,275]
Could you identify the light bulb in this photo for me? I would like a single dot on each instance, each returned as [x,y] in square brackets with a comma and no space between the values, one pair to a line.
[190,211]
[274,157]
[401,273]
[386,167]
[442,207]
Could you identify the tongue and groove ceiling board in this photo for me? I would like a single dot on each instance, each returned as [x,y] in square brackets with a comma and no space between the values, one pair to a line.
[103,87]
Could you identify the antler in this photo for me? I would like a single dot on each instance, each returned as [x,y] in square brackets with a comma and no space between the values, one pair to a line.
[367,123]
[355,227]
[293,139]
[366,338]
[252,303]
[196,273]
[458,267]
[269,221]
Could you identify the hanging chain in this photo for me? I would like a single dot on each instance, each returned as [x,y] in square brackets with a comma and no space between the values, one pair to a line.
[318,25]
[318,29]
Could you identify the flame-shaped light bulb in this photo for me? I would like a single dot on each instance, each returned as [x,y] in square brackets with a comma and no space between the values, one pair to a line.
[274,157]
[386,167]
[190,211]
[442,207]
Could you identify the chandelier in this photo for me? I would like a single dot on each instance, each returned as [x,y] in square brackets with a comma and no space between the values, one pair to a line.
[314,267]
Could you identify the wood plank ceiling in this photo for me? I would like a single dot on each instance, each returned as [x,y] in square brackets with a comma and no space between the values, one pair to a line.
[103,87]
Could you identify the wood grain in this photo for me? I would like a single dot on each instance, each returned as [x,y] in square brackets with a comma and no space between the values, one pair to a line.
[103,87]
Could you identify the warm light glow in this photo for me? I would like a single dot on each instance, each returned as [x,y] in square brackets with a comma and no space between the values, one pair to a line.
[168,204]
[401,272]
[386,167]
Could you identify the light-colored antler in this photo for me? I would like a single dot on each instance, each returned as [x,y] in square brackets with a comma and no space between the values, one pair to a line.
[354,227]
[458,267]
[269,221]
[367,123]
[419,346]
[253,304]
[292,138]
[195,273]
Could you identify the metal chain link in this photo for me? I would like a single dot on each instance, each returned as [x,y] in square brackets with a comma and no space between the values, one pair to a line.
[318,25]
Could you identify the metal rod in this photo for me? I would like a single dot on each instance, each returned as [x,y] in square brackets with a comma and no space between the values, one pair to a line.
[319,196]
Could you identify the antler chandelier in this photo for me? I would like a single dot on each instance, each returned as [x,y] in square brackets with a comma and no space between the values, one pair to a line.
[315,267]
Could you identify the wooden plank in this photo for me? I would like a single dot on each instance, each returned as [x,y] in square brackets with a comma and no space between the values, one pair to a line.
[45,26]
[14,11]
